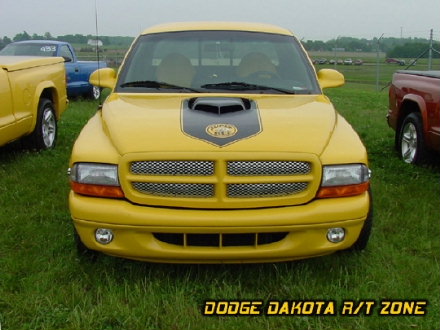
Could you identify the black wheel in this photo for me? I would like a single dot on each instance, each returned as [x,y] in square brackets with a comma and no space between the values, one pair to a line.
[411,142]
[364,236]
[45,133]
[82,250]
[95,92]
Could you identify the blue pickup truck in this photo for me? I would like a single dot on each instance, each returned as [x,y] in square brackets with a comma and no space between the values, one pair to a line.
[78,72]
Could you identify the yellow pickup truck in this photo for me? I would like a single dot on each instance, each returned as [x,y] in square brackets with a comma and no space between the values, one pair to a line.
[32,98]
[216,144]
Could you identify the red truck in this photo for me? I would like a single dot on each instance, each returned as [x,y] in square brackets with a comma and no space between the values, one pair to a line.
[414,113]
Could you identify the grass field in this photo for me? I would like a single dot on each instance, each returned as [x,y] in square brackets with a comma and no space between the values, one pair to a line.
[44,285]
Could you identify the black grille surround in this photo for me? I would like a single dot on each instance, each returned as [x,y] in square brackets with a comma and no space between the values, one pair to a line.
[220,240]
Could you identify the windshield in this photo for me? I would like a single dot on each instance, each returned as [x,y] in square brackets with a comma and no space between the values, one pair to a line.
[217,61]
[29,49]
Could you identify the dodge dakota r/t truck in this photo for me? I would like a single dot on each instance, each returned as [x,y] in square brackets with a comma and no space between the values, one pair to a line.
[414,113]
[216,144]
[78,72]
[32,99]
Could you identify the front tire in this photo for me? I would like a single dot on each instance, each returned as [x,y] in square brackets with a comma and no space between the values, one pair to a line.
[364,236]
[45,133]
[411,142]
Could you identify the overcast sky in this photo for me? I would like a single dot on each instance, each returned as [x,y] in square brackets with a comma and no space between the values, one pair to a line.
[308,19]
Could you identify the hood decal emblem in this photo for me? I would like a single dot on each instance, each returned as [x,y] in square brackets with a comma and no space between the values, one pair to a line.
[221,131]
[220,128]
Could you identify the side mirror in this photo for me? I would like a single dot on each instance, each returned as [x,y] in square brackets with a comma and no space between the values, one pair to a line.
[67,59]
[105,78]
[330,78]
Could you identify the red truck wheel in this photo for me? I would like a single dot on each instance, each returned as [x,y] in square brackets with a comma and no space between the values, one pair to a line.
[411,144]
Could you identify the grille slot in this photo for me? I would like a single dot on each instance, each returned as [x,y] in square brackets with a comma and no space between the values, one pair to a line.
[220,240]
[249,168]
[194,190]
[254,190]
[173,167]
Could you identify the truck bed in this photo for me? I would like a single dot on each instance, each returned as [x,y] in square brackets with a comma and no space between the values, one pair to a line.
[432,73]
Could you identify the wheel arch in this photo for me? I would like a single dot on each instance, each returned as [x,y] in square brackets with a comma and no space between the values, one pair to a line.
[412,103]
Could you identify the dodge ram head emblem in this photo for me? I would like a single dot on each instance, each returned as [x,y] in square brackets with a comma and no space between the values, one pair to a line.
[221,130]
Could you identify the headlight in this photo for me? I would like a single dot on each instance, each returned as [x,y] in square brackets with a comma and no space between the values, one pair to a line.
[344,180]
[95,179]
[92,173]
[341,175]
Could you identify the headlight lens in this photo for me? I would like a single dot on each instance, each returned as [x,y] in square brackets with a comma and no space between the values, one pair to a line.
[98,174]
[95,179]
[342,175]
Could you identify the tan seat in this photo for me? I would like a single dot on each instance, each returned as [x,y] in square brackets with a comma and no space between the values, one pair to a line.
[175,69]
[255,62]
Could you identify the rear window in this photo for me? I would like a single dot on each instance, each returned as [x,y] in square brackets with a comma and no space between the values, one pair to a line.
[24,49]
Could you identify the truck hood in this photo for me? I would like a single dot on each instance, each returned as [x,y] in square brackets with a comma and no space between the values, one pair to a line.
[14,63]
[162,123]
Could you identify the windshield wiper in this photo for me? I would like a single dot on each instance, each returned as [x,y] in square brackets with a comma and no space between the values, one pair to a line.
[156,84]
[245,86]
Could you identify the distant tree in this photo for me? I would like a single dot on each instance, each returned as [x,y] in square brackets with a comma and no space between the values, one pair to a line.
[22,36]
[411,50]
[5,41]
[36,37]
[48,36]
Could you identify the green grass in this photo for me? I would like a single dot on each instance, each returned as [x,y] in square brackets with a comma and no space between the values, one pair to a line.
[44,285]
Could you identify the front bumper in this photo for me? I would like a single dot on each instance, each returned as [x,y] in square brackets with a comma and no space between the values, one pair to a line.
[136,227]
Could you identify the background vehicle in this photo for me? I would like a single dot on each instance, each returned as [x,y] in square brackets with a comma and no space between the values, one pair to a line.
[414,113]
[78,72]
[32,98]
[217,144]
[395,61]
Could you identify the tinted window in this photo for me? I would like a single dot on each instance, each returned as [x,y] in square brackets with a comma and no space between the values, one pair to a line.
[209,61]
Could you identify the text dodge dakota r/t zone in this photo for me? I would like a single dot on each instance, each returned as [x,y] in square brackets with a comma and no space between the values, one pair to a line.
[216,144]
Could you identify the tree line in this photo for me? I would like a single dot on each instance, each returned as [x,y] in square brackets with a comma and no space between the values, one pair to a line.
[73,39]
[393,47]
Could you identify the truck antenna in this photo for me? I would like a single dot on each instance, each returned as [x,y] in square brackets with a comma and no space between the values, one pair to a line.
[97,51]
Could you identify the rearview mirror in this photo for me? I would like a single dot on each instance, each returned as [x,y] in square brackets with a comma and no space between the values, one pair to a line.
[330,78]
[105,78]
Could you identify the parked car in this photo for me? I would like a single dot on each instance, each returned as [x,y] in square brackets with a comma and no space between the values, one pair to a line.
[216,144]
[395,61]
[414,113]
[78,72]
[348,61]
[358,62]
[32,99]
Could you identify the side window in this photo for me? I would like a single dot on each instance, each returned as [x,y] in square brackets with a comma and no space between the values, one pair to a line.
[66,53]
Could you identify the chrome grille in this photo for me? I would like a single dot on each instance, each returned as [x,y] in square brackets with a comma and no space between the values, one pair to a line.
[173,167]
[194,190]
[254,190]
[248,168]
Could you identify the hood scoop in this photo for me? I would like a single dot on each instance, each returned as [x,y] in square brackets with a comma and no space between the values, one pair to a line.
[219,105]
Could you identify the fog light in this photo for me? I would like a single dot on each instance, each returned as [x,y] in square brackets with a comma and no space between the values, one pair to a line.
[336,235]
[103,236]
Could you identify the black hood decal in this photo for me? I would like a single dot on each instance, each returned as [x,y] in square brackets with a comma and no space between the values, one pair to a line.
[220,127]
